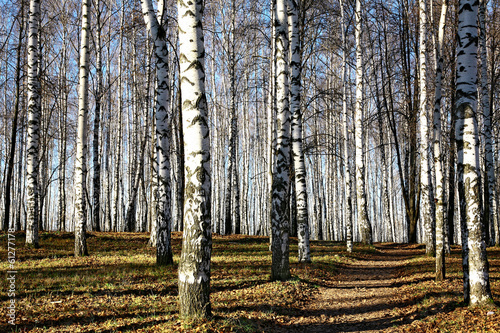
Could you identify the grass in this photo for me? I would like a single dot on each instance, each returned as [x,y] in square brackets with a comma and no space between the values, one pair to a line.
[118,288]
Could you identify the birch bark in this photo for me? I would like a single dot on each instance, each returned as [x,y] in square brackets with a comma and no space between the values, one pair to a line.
[194,266]
[438,157]
[81,143]
[425,183]
[162,112]
[363,220]
[280,224]
[469,181]
[297,151]
[32,202]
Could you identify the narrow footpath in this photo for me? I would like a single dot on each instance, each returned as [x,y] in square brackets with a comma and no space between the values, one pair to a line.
[365,298]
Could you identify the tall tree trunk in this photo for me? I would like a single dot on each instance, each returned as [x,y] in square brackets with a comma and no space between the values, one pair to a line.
[280,267]
[438,157]
[469,180]
[425,181]
[490,218]
[162,101]
[117,181]
[271,126]
[194,266]
[363,220]
[96,182]
[81,148]
[297,151]
[34,119]
[232,205]
[346,160]
[63,134]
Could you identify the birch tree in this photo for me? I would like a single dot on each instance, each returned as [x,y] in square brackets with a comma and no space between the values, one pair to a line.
[438,157]
[490,215]
[476,275]
[81,140]
[194,266]
[232,189]
[297,151]
[96,181]
[347,169]
[117,180]
[34,117]
[425,183]
[162,106]
[280,267]
[363,220]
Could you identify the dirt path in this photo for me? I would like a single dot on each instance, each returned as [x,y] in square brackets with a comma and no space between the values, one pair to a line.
[363,299]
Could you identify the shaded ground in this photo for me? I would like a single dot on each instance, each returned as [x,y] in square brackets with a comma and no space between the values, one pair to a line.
[118,288]
[363,297]
[393,290]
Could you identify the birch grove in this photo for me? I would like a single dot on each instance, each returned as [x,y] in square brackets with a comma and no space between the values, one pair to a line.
[298,121]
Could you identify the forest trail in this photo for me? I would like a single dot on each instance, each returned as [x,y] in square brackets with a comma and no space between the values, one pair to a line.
[365,298]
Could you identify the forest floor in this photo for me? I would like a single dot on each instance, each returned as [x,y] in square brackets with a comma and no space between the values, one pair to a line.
[118,288]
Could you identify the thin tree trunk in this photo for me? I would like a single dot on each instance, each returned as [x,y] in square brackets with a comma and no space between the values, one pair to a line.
[116,204]
[96,194]
[63,136]
[438,158]
[231,204]
[425,183]
[363,219]
[490,218]
[347,169]
[81,148]
[304,254]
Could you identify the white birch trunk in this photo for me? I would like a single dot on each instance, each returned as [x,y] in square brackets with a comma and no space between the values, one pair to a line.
[194,266]
[117,182]
[81,143]
[438,157]
[477,277]
[363,220]
[347,170]
[298,154]
[280,224]
[34,117]
[271,125]
[162,111]
[425,183]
